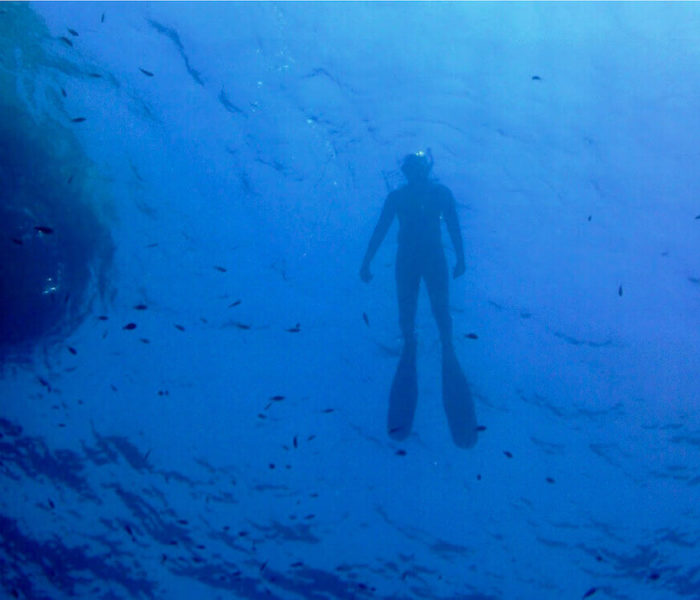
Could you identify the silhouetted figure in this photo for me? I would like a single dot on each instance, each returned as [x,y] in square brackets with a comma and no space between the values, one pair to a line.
[420,205]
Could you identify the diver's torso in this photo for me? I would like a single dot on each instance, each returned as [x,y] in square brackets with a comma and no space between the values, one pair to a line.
[419,208]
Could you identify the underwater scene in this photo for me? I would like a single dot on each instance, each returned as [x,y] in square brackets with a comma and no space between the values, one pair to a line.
[339,300]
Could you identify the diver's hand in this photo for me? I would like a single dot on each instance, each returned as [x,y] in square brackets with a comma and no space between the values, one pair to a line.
[365,274]
[459,269]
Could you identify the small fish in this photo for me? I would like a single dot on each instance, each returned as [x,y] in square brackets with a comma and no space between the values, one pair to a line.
[145,72]
[311,437]
[536,78]
[310,516]
[72,350]
[17,241]
[127,528]
[144,340]
[235,303]
[271,466]
[365,318]
[697,217]
[549,480]
[43,382]
[114,387]
[508,454]
[95,75]
[78,119]
[51,504]
[590,592]
[619,291]
[129,326]
[478,476]
[219,268]
[296,442]
[72,32]
[70,179]
[471,336]
[179,327]
[328,410]
[153,245]
[481,427]
[102,18]
[63,93]
[277,398]
[140,307]
[241,325]
[43,229]
[66,41]
[590,217]
[103,317]
[295,329]
[262,566]
[297,564]
[401,452]
[183,521]
[654,576]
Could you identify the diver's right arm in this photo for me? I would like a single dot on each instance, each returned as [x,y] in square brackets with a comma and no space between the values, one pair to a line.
[380,231]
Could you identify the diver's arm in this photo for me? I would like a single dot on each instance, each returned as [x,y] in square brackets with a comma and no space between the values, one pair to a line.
[380,231]
[452,222]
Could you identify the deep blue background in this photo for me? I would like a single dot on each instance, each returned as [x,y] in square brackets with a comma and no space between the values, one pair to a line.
[252,166]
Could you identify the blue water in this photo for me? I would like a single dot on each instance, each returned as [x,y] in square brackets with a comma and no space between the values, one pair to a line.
[208,420]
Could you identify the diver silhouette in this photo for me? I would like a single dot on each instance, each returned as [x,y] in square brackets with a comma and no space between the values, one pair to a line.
[419,206]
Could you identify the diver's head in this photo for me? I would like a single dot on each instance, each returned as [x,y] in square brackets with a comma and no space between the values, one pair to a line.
[416,167]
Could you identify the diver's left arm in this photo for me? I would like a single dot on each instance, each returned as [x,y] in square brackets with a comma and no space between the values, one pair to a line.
[452,221]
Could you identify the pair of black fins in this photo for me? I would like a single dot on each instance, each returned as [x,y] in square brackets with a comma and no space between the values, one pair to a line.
[456,398]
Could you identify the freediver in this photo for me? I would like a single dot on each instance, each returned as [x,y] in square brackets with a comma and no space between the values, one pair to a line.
[420,205]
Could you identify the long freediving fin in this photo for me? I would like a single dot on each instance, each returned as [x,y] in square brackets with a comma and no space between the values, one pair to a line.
[457,401]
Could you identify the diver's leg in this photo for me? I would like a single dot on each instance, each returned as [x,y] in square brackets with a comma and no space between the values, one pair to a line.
[404,387]
[407,287]
[456,395]
[436,279]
